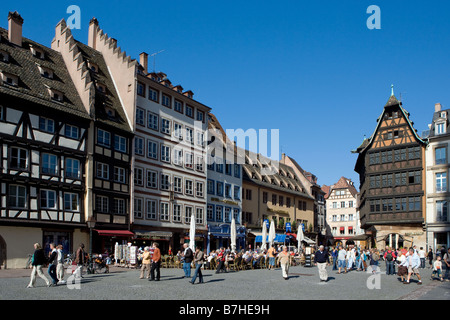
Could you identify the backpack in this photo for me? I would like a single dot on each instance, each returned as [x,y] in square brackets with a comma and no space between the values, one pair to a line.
[389,256]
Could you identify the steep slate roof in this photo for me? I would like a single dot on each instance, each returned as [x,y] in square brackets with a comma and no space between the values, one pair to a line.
[266,168]
[110,98]
[326,189]
[437,117]
[391,103]
[32,86]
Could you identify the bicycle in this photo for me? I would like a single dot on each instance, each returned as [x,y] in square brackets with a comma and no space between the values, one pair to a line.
[68,261]
[28,263]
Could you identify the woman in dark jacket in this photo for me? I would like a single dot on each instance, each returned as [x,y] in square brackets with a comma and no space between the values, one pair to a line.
[38,261]
[430,257]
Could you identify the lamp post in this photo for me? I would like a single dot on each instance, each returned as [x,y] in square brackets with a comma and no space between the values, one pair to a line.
[91,225]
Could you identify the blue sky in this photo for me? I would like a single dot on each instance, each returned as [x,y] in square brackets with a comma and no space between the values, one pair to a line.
[311,69]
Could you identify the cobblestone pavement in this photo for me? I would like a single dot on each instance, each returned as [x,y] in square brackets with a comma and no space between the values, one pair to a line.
[303,283]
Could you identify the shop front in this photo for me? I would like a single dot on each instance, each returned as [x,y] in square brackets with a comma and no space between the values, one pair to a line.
[144,239]
[220,236]
[104,240]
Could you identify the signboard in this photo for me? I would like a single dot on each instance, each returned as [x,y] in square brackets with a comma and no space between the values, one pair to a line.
[288,227]
[133,257]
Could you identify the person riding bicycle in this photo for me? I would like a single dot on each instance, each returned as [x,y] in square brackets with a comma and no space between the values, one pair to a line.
[101,263]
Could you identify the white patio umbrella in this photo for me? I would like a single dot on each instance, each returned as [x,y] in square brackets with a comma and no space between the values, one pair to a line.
[271,233]
[300,237]
[264,236]
[192,233]
[233,235]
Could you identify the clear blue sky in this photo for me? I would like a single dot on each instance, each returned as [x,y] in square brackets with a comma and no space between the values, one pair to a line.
[311,69]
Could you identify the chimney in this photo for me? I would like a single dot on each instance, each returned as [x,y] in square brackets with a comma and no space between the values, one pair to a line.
[92,33]
[143,60]
[15,22]
[437,107]
[283,157]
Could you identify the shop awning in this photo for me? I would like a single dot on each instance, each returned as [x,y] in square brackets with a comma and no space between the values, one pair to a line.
[114,233]
[279,238]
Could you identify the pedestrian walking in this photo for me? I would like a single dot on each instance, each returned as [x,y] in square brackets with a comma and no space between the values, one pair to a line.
[422,256]
[447,264]
[283,259]
[221,255]
[80,260]
[60,264]
[188,256]
[52,262]
[38,260]
[334,256]
[156,263]
[413,262]
[199,259]
[430,256]
[146,263]
[272,255]
[389,258]
[342,254]
[437,269]
[374,258]
[402,268]
[321,260]
[350,258]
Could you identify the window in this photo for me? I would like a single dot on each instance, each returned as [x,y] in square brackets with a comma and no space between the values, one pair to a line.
[342,230]
[120,143]
[334,205]
[72,168]
[228,169]
[414,203]
[199,163]
[350,217]
[70,201]
[200,139]
[48,199]
[176,213]
[102,204]
[199,216]
[153,120]
[71,131]
[152,179]
[219,166]
[210,186]
[237,171]
[165,181]
[165,153]
[102,171]
[247,217]
[236,215]
[350,230]
[18,158]
[178,157]
[164,211]
[288,202]
[440,155]
[199,189]
[187,214]
[274,199]
[17,197]
[441,182]
[46,125]
[178,184]
[342,217]
[178,131]
[440,128]
[210,212]
[219,213]
[227,214]
[139,176]
[200,116]
[189,187]
[153,94]
[265,196]
[441,211]
[189,135]
[139,146]
[141,89]
[237,193]
[49,162]
[219,188]
[103,138]
[189,160]
[350,204]
[152,149]
[151,209]
[334,218]
[166,100]
[140,116]
[165,126]
[189,111]
[138,207]
[119,206]
[178,106]
[281,201]
[2,112]
[342,204]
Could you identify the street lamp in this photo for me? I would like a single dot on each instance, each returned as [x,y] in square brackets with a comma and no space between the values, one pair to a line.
[91,225]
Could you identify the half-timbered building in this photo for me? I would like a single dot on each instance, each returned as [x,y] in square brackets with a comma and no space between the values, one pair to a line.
[391,168]
[43,146]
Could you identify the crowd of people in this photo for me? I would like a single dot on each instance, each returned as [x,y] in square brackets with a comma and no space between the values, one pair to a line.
[406,263]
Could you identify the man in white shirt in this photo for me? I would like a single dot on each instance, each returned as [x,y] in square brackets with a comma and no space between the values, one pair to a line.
[342,254]
[422,256]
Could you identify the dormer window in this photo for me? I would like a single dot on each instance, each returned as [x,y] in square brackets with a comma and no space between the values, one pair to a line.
[93,67]
[440,128]
[4,56]
[10,79]
[37,53]
[46,72]
[444,115]
[110,112]
[56,95]
[101,87]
